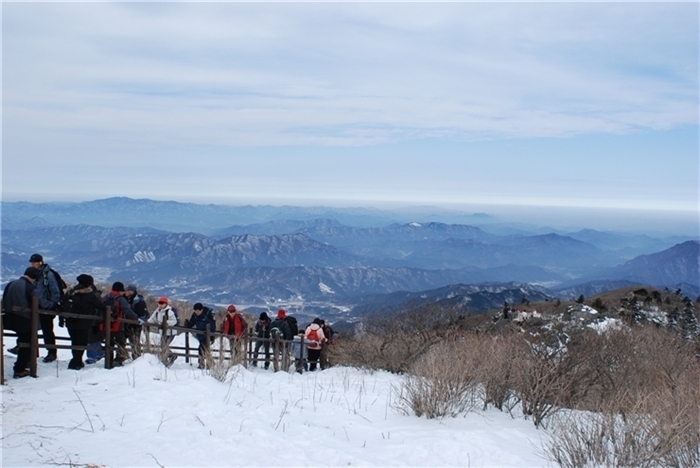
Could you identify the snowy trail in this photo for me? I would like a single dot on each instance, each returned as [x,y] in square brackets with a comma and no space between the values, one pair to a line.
[144,414]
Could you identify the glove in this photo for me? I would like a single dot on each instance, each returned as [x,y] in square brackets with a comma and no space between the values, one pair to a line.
[61,322]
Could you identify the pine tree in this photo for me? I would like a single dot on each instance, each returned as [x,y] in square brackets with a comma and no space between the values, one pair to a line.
[691,329]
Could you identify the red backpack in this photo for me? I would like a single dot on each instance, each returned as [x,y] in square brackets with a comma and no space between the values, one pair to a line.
[117,313]
[313,335]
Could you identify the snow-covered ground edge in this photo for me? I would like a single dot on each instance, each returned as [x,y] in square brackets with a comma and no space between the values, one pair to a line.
[145,414]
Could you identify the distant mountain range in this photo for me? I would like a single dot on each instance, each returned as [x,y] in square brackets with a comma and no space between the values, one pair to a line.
[319,260]
[207,219]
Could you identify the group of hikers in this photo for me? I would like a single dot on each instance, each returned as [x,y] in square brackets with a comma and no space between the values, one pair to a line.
[44,283]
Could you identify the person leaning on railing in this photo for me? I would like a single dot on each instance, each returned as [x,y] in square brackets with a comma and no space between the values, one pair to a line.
[202,319]
[85,300]
[163,313]
[17,306]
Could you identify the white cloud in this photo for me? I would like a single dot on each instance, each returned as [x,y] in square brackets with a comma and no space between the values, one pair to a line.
[243,74]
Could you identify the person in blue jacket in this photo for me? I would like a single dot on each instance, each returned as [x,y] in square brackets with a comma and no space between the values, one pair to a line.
[202,319]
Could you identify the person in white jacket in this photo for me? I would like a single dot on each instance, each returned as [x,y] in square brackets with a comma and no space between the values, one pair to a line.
[163,312]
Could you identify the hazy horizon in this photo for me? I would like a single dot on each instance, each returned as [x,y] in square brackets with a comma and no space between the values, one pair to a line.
[633,221]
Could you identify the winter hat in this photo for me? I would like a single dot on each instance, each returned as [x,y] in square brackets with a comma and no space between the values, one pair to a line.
[132,287]
[118,286]
[264,316]
[36,258]
[281,314]
[163,299]
[85,280]
[231,308]
[32,273]
[198,306]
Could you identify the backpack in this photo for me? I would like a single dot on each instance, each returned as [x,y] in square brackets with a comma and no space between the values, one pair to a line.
[62,286]
[117,313]
[176,314]
[313,335]
[293,325]
[66,303]
[275,333]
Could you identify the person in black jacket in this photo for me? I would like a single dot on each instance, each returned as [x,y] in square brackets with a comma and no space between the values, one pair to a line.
[132,330]
[202,319]
[262,330]
[85,299]
[280,326]
[17,304]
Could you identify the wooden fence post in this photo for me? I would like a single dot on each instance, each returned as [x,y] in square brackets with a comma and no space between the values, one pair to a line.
[34,340]
[275,360]
[187,347]
[108,337]
[2,350]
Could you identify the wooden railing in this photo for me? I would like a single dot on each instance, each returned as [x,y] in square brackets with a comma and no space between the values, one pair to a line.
[280,350]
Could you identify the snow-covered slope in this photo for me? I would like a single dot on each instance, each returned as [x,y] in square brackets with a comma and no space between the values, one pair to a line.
[146,415]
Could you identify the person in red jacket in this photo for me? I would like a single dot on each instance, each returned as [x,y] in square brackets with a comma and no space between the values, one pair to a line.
[235,327]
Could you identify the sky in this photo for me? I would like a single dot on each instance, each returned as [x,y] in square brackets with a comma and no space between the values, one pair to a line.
[147,415]
[583,105]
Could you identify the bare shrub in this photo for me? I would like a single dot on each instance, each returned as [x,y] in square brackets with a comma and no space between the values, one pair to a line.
[218,365]
[645,403]
[444,382]
[159,347]
[498,369]
[661,430]
[394,341]
[541,379]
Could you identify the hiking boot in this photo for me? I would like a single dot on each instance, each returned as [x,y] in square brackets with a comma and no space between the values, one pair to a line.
[20,374]
[117,363]
[14,350]
[90,361]
[75,365]
[50,358]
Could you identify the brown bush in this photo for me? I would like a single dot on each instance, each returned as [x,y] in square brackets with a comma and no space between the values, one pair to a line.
[394,342]
[444,381]
[643,402]
[497,369]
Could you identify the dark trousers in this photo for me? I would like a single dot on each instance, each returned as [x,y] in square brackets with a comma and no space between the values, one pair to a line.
[78,337]
[23,353]
[46,322]
[119,344]
[258,345]
[314,356]
[203,351]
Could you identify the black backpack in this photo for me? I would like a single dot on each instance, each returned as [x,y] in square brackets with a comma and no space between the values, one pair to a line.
[276,332]
[62,286]
[66,303]
[293,326]
[176,314]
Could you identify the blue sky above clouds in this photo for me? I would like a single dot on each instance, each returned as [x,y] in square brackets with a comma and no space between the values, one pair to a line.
[583,105]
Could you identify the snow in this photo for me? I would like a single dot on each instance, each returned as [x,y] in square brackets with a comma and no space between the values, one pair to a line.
[325,288]
[144,414]
[606,324]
